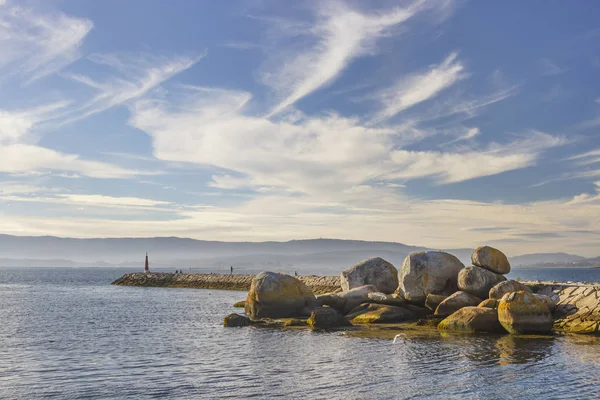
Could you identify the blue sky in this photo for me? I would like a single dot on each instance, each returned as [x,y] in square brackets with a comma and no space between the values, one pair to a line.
[441,123]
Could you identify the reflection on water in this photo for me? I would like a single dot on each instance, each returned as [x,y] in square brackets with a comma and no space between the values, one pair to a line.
[69,334]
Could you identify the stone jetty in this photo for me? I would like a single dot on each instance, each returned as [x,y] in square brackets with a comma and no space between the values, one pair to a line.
[318,284]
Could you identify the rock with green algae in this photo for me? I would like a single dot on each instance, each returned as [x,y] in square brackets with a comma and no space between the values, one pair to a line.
[326,318]
[489,303]
[274,295]
[472,319]
[521,312]
[294,322]
[240,304]
[492,259]
[373,313]
[455,302]
[236,321]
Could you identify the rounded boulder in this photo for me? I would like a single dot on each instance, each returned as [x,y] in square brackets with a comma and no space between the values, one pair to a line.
[327,318]
[373,271]
[274,295]
[428,272]
[478,281]
[521,312]
[472,319]
[490,258]
[455,302]
[499,290]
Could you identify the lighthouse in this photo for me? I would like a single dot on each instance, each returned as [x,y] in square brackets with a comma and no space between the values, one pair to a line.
[146,267]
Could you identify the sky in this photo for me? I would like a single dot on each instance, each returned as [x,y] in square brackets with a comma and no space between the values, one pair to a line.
[436,123]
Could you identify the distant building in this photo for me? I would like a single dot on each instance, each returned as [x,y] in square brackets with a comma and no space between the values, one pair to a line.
[146,266]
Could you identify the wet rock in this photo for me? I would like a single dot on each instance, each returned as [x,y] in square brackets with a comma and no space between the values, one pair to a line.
[331,300]
[387,299]
[489,303]
[373,271]
[236,321]
[478,281]
[380,313]
[428,272]
[274,295]
[240,304]
[499,290]
[521,312]
[295,322]
[455,302]
[491,259]
[343,302]
[547,301]
[327,318]
[472,319]
[433,301]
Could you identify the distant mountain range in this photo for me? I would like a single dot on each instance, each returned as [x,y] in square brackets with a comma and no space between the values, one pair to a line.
[312,255]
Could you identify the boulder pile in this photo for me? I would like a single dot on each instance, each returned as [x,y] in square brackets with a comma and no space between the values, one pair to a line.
[430,284]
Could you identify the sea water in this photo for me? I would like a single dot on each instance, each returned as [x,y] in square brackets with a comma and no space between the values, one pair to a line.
[69,334]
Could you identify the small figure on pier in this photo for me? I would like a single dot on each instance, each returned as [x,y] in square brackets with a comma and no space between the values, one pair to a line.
[295,273]
[146,266]
[231,270]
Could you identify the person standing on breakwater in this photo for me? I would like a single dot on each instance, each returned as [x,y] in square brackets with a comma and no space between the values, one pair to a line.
[231,270]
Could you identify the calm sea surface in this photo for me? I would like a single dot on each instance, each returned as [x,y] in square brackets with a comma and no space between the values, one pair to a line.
[67,333]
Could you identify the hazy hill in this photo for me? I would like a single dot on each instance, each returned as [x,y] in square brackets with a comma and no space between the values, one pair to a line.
[173,252]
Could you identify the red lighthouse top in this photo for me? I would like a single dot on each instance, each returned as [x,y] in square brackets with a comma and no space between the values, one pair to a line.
[146,267]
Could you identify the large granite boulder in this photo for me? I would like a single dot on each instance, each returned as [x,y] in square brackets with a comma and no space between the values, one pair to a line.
[373,271]
[274,295]
[236,321]
[499,290]
[327,318]
[380,313]
[387,299]
[489,258]
[433,301]
[428,272]
[522,312]
[478,281]
[472,319]
[455,302]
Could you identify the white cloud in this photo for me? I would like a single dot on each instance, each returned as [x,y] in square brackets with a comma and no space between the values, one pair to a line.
[342,35]
[418,88]
[312,155]
[22,158]
[34,45]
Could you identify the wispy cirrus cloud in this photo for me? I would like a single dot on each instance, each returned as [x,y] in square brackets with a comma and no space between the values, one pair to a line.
[341,35]
[35,44]
[412,90]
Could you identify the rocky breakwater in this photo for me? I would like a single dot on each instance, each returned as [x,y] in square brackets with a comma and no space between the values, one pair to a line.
[433,288]
[318,284]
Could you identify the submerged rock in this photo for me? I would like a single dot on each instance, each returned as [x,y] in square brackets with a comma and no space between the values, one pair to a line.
[236,321]
[499,290]
[327,318]
[455,302]
[478,281]
[373,271]
[522,312]
[492,259]
[240,304]
[388,299]
[428,272]
[274,295]
[472,319]
[489,303]
[380,313]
